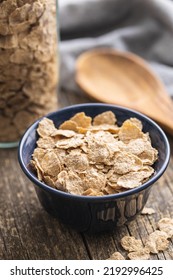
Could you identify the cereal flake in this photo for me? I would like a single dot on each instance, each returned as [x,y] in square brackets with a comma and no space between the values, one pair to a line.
[131,244]
[166,225]
[157,241]
[116,256]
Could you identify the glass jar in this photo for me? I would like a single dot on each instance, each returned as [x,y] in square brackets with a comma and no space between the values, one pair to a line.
[28,65]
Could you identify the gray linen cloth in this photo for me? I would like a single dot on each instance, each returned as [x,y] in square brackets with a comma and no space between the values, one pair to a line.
[144,27]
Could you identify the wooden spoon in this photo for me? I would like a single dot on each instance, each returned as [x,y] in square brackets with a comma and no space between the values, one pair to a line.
[124,79]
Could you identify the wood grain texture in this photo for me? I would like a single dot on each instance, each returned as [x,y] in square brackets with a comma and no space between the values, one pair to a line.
[124,79]
[28,232]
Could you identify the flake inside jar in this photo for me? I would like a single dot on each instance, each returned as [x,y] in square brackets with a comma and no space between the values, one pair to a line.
[24,30]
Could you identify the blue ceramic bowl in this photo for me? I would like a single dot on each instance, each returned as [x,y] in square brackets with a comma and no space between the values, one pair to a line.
[89,213]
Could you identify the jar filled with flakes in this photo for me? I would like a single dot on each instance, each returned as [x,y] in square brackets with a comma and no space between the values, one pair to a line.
[28,65]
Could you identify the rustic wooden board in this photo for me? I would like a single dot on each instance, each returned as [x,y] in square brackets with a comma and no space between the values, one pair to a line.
[28,232]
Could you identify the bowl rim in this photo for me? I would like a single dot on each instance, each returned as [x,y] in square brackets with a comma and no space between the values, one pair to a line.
[127,193]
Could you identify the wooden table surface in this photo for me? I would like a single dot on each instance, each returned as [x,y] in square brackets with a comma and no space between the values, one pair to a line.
[28,232]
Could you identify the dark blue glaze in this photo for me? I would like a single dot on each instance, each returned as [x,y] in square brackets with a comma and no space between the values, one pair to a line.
[95,214]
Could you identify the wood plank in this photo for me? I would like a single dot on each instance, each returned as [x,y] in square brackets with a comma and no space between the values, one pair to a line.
[27,230]
[70,98]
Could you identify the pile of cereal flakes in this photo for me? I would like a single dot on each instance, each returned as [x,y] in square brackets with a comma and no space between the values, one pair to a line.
[93,157]
[28,64]
[157,241]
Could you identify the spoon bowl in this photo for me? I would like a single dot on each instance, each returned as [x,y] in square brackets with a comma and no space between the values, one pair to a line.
[124,79]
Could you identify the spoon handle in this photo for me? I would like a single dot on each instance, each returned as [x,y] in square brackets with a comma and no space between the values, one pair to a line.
[161,110]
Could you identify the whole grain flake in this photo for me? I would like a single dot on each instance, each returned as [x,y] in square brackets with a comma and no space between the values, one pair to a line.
[131,244]
[166,225]
[154,243]
[28,64]
[142,254]
[116,256]
[85,156]
[157,241]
